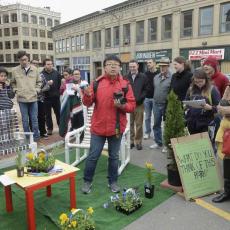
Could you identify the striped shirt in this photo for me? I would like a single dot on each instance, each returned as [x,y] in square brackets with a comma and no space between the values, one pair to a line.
[6,95]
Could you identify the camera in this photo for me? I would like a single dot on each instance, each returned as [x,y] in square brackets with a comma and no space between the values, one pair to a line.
[224,102]
[119,96]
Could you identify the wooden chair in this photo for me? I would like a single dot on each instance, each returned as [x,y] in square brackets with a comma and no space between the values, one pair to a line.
[72,140]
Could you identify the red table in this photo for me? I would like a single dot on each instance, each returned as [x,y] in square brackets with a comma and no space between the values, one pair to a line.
[30,184]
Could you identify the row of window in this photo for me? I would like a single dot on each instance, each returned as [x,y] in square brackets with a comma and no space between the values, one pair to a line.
[186,30]
[26,45]
[8,57]
[13,17]
[26,32]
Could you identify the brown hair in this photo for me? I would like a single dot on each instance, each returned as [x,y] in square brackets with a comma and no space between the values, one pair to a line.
[181,60]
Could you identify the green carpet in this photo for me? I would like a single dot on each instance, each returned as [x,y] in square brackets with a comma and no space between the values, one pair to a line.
[49,209]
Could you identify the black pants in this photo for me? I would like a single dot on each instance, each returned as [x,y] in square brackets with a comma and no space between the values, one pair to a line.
[41,118]
[49,103]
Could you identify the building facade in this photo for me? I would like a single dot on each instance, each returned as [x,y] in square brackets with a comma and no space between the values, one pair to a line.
[24,27]
[143,29]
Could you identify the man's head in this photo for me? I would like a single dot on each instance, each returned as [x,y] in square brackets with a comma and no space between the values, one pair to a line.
[133,67]
[48,64]
[3,75]
[35,63]
[112,65]
[164,65]
[151,64]
[210,66]
[23,58]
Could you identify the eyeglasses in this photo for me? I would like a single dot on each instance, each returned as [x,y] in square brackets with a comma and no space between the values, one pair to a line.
[112,65]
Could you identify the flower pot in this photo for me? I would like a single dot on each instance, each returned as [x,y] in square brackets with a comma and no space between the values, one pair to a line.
[149,191]
[173,176]
[20,172]
[127,212]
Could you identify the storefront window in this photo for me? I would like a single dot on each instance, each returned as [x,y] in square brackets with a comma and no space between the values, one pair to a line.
[152,29]
[116,36]
[167,27]
[140,32]
[186,24]
[108,37]
[126,34]
[225,18]
[206,20]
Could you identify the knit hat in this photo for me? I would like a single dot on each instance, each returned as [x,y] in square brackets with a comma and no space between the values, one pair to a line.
[212,62]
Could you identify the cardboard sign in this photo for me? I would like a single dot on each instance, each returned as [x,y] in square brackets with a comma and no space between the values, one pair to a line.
[197,165]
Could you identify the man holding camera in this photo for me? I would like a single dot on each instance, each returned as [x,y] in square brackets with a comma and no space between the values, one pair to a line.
[113,98]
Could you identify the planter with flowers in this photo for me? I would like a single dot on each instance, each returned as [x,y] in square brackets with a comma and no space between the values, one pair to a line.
[127,202]
[149,186]
[43,162]
[77,219]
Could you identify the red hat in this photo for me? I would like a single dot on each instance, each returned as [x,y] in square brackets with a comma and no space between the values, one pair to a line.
[212,62]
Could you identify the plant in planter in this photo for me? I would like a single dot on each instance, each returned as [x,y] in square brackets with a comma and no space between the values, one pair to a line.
[174,127]
[77,219]
[19,164]
[149,186]
[127,202]
[43,162]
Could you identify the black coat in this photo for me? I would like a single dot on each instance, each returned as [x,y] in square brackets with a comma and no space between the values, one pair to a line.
[180,83]
[150,86]
[139,87]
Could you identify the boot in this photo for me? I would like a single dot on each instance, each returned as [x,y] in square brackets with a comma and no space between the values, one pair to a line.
[226,194]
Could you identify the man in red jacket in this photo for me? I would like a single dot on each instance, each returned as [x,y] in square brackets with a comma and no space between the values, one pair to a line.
[113,98]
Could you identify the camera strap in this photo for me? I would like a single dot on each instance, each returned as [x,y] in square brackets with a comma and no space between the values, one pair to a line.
[117,129]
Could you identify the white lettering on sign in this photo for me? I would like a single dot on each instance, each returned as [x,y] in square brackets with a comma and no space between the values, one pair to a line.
[199,54]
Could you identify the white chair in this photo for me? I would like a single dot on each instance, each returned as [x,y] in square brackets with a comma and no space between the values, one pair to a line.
[72,140]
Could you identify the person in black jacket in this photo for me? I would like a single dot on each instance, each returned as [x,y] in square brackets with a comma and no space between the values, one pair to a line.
[52,96]
[138,82]
[181,80]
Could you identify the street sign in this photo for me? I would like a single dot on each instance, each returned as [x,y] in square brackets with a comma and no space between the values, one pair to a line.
[197,165]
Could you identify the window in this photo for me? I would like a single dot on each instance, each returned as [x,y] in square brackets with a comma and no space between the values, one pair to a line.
[108,37]
[14,31]
[126,34]
[8,57]
[49,22]
[167,27]
[1,46]
[82,42]
[34,45]
[25,31]
[0,32]
[14,17]
[15,58]
[97,39]
[49,34]
[35,57]
[225,18]
[42,33]
[152,29]
[73,44]
[60,46]
[67,44]
[15,44]
[34,32]
[42,21]
[7,45]
[6,31]
[43,57]
[87,41]
[63,45]
[186,24]
[42,46]
[34,19]
[5,18]
[1,58]
[25,18]
[140,32]
[206,21]
[56,22]
[50,46]
[26,44]
[116,36]
[78,42]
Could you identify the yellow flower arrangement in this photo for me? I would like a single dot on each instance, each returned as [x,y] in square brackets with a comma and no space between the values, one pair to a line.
[149,173]
[77,219]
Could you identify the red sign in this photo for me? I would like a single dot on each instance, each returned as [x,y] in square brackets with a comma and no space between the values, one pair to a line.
[200,54]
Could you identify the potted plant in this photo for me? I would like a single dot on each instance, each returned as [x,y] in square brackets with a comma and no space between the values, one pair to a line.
[43,162]
[174,127]
[19,164]
[149,186]
[77,219]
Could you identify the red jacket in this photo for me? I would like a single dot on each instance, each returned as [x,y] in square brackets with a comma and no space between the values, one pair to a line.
[220,81]
[104,115]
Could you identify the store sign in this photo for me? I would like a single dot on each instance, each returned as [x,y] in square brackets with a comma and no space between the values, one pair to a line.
[199,54]
[157,55]
[61,62]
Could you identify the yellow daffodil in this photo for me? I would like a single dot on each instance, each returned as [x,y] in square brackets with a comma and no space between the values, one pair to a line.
[42,155]
[149,165]
[30,156]
[74,223]
[90,210]
[63,217]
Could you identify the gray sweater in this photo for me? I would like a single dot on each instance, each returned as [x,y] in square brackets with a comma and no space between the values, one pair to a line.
[161,88]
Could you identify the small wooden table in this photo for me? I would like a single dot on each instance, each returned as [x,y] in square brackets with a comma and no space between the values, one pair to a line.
[32,183]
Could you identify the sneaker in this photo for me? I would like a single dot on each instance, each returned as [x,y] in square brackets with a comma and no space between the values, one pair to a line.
[132,146]
[139,147]
[114,187]
[154,146]
[86,188]
[49,132]
[45,136]
[146,136]
[164,149]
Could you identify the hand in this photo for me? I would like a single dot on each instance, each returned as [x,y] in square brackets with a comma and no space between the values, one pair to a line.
[1,85]
[207,107]
[50,82]
[118,104]
[86,91]
[75,87]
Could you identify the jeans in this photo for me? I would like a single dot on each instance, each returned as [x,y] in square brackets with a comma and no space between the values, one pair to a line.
[96,147]
[148,103]
[30,110]
[159,114]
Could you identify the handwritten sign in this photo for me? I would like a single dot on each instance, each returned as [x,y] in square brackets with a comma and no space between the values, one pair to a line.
[197,165]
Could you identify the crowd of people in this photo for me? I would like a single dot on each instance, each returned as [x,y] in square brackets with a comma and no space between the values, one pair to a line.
[140,94]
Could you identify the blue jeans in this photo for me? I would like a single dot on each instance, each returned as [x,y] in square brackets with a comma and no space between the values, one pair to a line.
[148,103]
[30,109]
[96,147]
[159,114]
